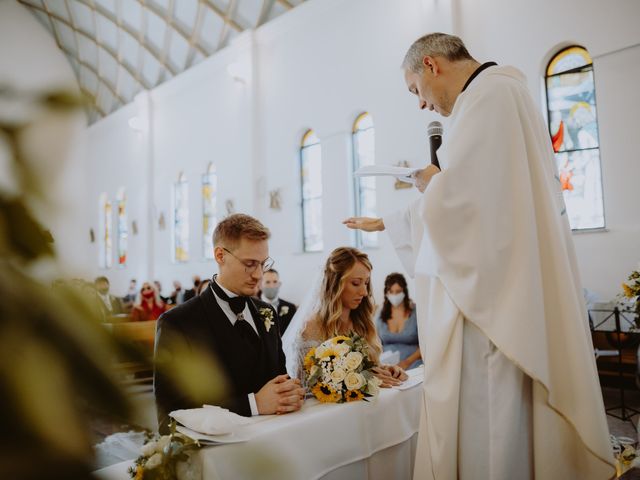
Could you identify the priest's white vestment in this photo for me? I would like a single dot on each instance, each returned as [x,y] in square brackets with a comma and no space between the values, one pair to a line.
[511,388]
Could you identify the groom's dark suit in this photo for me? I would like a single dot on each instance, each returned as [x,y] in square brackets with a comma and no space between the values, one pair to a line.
[202,325]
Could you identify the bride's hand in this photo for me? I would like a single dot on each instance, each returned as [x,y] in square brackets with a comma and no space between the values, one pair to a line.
[385,376]
[397,372]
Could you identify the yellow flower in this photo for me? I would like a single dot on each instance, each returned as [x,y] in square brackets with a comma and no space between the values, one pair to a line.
[328,353]
[339,339]
[627,290]
[325,393]
[308,359]
[354,395]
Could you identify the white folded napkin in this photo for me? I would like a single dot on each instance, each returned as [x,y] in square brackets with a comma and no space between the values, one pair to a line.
[210,419]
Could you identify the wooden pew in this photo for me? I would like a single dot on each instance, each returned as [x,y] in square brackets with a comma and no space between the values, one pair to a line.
[141,335]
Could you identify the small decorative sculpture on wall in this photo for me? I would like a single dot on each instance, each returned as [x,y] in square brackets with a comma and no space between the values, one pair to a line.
[275,199]
[162,223]
[230,206]
[399,185]
[92,236]
[134,227]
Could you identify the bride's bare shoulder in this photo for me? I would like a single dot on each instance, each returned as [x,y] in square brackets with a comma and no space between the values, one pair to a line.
[312,330]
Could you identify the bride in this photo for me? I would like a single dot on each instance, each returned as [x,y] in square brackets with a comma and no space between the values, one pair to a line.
[340,304]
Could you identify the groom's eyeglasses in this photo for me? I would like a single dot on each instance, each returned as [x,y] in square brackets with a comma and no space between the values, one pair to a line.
[251,265]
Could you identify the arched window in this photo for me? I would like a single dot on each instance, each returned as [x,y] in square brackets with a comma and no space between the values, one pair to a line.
[209,209]
[123,232]
[105,256]
[311,186]
[573,125]
[364,187]
[181,220]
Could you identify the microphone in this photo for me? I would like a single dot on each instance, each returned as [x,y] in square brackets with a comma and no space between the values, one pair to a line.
[435,140]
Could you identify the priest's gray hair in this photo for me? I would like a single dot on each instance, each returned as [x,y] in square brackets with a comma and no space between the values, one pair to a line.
[434,45]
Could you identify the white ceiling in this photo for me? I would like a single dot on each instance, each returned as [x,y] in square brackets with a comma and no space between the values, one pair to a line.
[119,47]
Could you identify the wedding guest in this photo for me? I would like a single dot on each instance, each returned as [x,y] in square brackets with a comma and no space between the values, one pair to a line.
[148,305]
[177,296]
[204,284]
[224,321]
[397,323]
[158,286]
[345,305]
[107,304]
[129,299]
[269,293]
[192,292]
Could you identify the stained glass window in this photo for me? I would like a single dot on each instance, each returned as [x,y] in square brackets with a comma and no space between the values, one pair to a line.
[311,184]
[573,125]
[105,258]
[209,209]
[181,220]
[123,232]
[364,187]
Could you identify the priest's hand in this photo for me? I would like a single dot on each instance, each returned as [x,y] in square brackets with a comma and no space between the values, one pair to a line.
[281,394]
[423,177]
[366,224]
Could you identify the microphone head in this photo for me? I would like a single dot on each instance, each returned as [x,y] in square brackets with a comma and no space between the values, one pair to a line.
[434,128]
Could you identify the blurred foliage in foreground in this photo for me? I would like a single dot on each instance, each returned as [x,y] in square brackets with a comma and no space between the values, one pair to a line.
[55,355]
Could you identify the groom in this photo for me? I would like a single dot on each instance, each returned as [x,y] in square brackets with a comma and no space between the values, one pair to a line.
[241,332]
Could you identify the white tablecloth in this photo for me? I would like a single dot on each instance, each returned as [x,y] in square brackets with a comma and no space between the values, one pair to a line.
[359,440]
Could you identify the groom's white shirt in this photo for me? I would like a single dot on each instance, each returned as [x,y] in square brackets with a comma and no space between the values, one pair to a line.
[232,318]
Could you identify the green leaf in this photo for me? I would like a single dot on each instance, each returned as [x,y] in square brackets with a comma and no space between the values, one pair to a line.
[29,240]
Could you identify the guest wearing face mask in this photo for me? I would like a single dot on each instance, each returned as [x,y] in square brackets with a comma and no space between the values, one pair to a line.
[397,323]
[148,305]
[269,293]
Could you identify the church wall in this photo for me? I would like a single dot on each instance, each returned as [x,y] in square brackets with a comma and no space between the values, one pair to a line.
[318,67]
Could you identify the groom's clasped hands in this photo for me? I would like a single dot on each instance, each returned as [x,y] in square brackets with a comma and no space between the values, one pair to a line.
[279,395]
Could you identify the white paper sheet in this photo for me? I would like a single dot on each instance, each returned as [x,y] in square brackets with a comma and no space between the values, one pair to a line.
[401,173]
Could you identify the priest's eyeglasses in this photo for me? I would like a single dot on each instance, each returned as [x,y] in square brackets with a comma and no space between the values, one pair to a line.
[250,266]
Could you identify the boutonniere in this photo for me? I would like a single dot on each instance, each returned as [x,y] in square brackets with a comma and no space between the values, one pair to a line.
[267,316]
[284,310]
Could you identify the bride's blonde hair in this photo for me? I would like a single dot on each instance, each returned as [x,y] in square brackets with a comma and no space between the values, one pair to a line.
[339,264]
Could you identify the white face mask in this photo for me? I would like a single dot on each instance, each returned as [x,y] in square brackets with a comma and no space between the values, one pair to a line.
[396,299]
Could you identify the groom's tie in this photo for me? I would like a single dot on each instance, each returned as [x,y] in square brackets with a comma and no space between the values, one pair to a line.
[238,305]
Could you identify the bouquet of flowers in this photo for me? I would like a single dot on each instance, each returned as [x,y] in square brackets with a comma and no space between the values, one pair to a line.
[631,289]
[339,370]
[164,458]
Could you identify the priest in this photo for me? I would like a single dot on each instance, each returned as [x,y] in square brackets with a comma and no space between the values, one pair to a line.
[511,388]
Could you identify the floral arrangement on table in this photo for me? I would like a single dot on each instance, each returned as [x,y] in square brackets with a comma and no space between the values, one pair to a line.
[163,458]
[339,370]
[625,453]
[631,289]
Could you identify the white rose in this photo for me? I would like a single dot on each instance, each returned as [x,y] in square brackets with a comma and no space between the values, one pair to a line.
[342,349]
[354,359]
[148,449]
[338,375]
[354,381]
[373,387]
[154,461]
[320,350]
